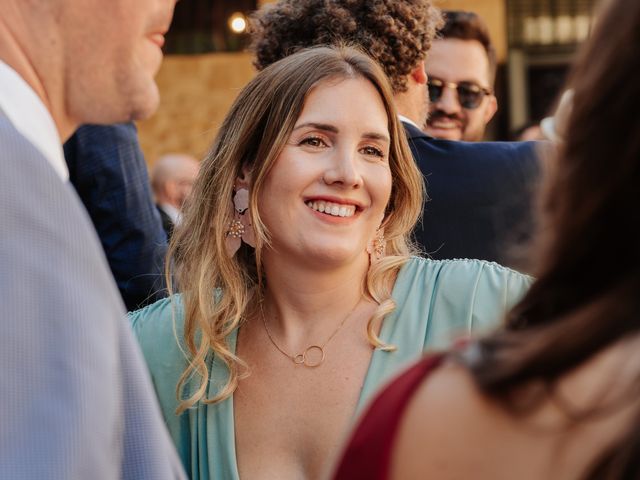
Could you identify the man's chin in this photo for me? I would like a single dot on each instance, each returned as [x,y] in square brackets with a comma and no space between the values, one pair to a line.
[145,105]
[117,106]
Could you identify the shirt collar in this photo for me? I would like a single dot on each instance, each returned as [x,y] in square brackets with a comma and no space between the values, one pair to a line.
[30,117]
[173,212]
[406,120]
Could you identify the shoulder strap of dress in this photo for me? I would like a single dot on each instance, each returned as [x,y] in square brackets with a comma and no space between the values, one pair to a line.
[368,453]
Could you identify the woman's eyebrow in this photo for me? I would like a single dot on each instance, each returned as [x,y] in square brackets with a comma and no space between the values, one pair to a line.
[331,128]
[318,126]
[376,136]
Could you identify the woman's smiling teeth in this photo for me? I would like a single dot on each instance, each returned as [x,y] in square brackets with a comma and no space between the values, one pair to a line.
[334,209]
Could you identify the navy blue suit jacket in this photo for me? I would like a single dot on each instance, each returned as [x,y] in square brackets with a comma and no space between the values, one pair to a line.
[480,196]
[107,169]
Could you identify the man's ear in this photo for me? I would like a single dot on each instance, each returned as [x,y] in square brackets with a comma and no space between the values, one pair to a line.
[418,73]
[244,179]
[491,109]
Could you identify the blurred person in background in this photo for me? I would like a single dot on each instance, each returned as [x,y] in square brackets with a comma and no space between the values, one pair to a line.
[554,126]
[172,178]
[461,71]
[530,131]
[550,128]
[554,393]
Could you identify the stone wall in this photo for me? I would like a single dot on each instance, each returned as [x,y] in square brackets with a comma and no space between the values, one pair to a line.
[196,93]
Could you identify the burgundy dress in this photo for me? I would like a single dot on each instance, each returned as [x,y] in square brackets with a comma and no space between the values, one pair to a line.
[368,453]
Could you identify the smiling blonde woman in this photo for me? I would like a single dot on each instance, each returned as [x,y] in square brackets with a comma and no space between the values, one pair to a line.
[298,292]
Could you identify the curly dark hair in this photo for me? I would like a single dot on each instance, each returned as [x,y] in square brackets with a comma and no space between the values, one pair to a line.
[396,33]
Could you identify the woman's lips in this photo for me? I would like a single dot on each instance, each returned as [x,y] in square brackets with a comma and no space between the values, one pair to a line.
[330,208]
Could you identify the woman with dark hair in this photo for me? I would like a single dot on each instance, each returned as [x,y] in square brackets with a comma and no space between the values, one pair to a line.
[554,393]
[298,292]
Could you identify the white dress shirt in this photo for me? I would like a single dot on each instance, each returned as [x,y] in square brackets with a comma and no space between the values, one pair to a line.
[28,114]
[410,122]
[173,212]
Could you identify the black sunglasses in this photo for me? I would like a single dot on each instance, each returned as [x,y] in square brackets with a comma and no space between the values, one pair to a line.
[470,95]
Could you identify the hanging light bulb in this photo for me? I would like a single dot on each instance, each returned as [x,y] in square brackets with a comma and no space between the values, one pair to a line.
[238,22]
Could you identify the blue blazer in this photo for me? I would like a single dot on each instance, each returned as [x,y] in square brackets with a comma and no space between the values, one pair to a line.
[480,196]
[107,169]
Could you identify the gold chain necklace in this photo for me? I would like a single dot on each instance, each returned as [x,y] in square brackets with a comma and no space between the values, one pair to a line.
[306,357]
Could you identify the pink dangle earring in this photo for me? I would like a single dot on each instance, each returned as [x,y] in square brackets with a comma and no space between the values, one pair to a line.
[376,248]
[240,228]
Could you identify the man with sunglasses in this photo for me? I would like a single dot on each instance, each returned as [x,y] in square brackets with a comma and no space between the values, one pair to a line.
[479,192]
[461,68]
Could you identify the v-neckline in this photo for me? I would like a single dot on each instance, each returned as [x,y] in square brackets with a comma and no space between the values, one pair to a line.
[365,393]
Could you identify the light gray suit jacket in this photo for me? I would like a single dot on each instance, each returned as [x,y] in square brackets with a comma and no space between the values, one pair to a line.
[76,400]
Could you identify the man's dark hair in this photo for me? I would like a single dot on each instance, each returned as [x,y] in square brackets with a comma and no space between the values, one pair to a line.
[396,33]
[469,26]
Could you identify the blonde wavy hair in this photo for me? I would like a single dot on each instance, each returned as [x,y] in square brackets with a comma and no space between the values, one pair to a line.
[219,291]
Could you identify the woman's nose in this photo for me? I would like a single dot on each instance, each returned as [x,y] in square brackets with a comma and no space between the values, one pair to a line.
[344,169]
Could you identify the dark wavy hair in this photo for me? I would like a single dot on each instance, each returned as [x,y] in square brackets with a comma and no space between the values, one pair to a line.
[396,33]
[469,26]
[587,293]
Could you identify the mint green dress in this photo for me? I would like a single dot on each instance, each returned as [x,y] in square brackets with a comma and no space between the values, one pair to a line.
[437,302]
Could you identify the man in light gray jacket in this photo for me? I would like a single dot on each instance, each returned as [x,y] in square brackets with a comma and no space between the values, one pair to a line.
[76,401]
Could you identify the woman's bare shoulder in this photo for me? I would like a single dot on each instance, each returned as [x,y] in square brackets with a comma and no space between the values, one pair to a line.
[451,430]
[443,432]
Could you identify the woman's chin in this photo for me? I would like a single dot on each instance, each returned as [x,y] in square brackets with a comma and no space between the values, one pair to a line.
[334,257]
[318,254]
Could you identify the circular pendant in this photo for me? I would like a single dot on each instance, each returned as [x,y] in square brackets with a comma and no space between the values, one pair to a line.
[312,356]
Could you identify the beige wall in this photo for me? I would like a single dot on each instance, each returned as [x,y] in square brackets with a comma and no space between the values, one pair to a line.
[196,93]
